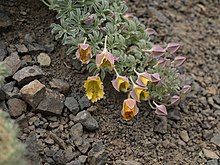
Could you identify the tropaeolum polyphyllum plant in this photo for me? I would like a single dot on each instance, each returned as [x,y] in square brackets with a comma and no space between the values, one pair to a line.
[107,39]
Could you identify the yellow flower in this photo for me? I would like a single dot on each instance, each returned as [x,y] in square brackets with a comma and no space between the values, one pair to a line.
[121,83]
[139,93]
[84,53]
[94,88]
[105,59]
[129,109]
[143,78]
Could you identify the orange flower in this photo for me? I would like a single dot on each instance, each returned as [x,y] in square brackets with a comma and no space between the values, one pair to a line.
[130,109]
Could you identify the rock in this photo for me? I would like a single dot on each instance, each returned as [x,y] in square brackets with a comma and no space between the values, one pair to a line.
[27,74]
[210,154]
[69,154]
[32,154]
[52,103]
[60,85]
[212,162]
[26,59]
[174,114]
[84,102]
[10,91]
[3,51]
[59,158]
[210,101]
[216,139]
[58,140]
[49,47]
[35,47]
[43,59]
[97,155]
[2,95]
[203,100]
[22,121]
[21,48]
[87,120]
[84,147]
[82,159]
[16,107]
[207,134]
[160,16]
[184,135]
[76,131]
[129,162]
[13,62]
[33,93]
[29,38]
[75,162]
[72,104]
[3,106]
[5,22]
[162,126]
[216,98]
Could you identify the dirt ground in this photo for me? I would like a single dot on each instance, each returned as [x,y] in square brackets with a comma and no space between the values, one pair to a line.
[196,26]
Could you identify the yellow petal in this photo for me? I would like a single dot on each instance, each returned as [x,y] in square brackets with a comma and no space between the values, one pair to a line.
[144,95]
[144,80]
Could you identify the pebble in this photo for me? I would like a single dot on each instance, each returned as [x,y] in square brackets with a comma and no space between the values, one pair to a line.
[207,134]
[82,159]
[58,140]
[44,59]
[21,48]
[75,162]
[29,38]
[59,157]
[60,85]
[84,102]
[216,99]
[13,62]
[216,139]
[76,130]
[5,22]
[69,154]
[161,127]
[174,114]
[52,103]
[72,104]
[210,154]
[184,136]
[34,47]
[156,13]
[16,107]
[33,93]
[212,162]
[10,91]
[85,118]
[27,74]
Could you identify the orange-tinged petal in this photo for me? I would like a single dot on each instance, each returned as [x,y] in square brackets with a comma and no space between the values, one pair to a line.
[130,109]
[84,53]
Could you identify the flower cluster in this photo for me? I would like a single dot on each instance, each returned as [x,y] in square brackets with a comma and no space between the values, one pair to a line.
[107,39]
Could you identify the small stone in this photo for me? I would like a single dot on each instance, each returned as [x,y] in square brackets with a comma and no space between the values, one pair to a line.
[16,107]
[59,157]
[130,162]
[212,162]
[160,16]
[58,140]
[35,47]
[76,130]
[72,104]
[27,74]
[49,47]
[29,38]
[33,93]
[162,126]
[82,158]
[10,91]
[203,100]
[216,139]
[22,121]
[13,62]
[52,103]
[216,98]
[174,114]
[87,120]
[2,95]
[3,51]
[44,59]
[49,141]
[84,102]
[97,155]
[184,136]
[21,48]
[69,154]
[207,134]
[75,162]
[83,148]
[210,154]
[60,85]
[5,22]
[210,101]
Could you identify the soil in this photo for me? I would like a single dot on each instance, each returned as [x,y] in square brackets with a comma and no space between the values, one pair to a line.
[196,26]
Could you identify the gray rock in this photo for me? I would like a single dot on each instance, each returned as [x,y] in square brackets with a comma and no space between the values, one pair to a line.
[84,102]
[87,120]
[160,16]
[97,155]
[84,147]
[210,101]
[22,121]
[33,93]
[35,47]
[27,74]
[29,38]
[44,59]
[72,104]
[59,157]
[13,62]
[60,85]
[16,107]
[184,136]
[216,99]
[212,162]
[52,103]
[162,126]
[207,134]
[210,154]
[128,162]
[75,162]
[76,131]
[3,51]
[58,140]
[32,153]
[216,139]
[203,100]
[3,106]
[69,154]
[5,22]
[174,114]
[82,158]
[49,47]
[2,95]
[21,48]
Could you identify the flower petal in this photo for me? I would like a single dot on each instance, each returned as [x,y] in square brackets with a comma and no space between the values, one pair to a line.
[172,47]
[161,110]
